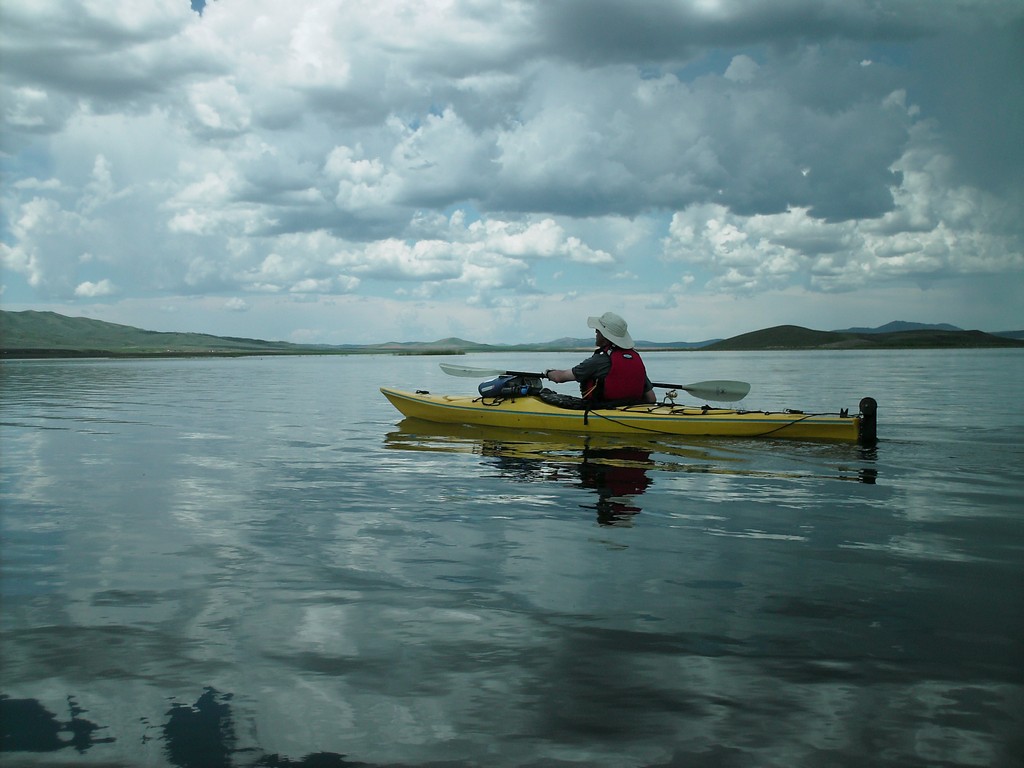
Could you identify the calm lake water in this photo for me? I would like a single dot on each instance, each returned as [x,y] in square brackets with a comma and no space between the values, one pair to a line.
[242,562]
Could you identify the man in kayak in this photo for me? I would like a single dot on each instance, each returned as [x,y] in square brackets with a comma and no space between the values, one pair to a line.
[615,371]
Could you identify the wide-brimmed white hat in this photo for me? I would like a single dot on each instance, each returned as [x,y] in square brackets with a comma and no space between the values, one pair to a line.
[613,328]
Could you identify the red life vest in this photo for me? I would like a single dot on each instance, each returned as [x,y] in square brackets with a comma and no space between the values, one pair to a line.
[625,380]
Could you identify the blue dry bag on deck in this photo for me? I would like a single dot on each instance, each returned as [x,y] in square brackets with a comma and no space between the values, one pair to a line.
[509,386]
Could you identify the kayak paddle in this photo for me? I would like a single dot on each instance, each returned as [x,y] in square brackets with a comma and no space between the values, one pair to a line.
[722,390]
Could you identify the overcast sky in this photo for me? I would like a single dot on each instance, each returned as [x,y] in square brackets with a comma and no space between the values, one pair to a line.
[368,170]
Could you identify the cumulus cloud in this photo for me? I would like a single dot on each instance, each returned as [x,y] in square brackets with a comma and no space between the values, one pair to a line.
[935,231]
[486,152]
[92,290]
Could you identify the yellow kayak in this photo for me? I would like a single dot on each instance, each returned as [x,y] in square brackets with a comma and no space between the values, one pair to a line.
[540,413]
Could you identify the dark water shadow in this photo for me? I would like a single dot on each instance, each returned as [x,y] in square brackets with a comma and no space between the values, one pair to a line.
[27,726]
[199,735]
[202,734]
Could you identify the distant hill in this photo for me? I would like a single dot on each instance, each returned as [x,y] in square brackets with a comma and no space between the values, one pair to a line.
[1010,334]
[796,337]
[452,343]
[902,325]
[567,342]
[48,334]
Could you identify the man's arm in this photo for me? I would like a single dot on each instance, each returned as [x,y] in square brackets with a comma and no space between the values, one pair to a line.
[594,367]
[560,376]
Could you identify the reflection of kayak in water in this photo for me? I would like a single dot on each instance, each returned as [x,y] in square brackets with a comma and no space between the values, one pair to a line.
[615,471]
[432,436]
[532,412]
[618,475]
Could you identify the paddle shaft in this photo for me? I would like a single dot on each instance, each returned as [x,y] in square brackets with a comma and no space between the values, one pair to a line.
[697,385]
[713,390]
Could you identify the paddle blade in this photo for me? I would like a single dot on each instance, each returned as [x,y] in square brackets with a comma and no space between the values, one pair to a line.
[720,390]
[469,372]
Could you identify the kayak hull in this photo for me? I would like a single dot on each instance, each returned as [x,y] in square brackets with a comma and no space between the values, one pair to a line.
[530,413]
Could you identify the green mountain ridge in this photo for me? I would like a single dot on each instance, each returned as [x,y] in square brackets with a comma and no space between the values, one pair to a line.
[797,337]
[47,334]
[901,325]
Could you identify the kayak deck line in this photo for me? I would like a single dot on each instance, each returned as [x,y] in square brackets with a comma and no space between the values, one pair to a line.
[531,412]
